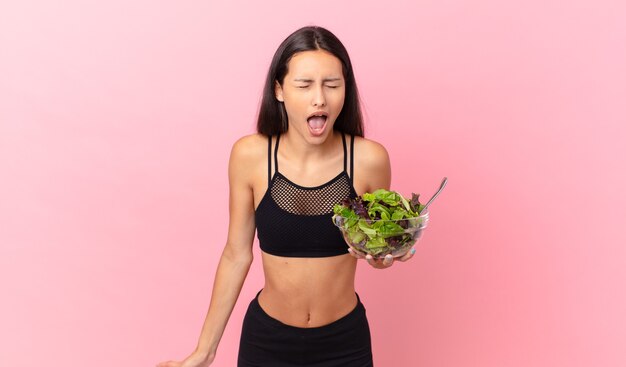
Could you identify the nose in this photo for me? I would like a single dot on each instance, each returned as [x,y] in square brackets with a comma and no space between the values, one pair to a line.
[319,99]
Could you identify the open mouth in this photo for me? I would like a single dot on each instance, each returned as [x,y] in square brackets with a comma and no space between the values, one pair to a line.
[317,124]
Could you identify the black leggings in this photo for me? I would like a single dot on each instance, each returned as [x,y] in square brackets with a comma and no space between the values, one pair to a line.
[266,341]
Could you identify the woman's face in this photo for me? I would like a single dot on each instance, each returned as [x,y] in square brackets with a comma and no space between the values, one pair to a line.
[314,84]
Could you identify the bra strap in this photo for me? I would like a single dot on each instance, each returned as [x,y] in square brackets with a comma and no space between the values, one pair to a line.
[276,154]
[269,160]
[351,159]
[345,153]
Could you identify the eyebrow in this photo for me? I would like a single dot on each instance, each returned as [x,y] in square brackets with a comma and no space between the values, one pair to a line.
[311,80]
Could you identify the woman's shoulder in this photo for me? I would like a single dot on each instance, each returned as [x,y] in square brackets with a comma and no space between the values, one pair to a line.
[370,151]
[371,164]
[250,148]
[246,157]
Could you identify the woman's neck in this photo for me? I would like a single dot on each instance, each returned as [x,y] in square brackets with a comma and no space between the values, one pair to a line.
[301,151]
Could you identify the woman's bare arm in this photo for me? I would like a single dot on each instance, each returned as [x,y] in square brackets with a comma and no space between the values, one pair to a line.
[236,256]
[373,163]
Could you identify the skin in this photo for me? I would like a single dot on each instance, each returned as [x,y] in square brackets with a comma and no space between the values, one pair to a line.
[303,292]
[315,82]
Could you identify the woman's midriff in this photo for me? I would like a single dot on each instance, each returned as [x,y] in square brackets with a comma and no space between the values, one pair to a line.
[308,292]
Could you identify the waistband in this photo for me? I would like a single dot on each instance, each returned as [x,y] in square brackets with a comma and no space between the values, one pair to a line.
[357,313]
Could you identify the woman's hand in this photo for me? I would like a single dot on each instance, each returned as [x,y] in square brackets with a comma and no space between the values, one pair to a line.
[196,359]
[383,263]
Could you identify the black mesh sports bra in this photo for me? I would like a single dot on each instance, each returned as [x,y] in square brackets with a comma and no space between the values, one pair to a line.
[295,221]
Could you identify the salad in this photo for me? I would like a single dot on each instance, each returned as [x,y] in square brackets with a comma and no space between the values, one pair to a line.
[380,222]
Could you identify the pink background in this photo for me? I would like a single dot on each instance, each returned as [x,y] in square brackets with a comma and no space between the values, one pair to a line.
[116,122]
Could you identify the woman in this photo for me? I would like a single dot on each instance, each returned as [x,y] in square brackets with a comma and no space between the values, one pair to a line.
[284,181]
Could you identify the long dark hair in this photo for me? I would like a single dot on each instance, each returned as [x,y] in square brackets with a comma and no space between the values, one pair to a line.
[272,118]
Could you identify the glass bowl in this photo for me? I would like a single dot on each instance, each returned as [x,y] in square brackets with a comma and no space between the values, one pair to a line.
[381,237]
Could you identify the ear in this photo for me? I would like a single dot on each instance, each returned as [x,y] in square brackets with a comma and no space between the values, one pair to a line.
[278,91]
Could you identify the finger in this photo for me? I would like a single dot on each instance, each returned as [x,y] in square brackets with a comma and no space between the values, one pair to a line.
[388,261]
[408,255]
[352,253]
[378,263]
[355,253]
